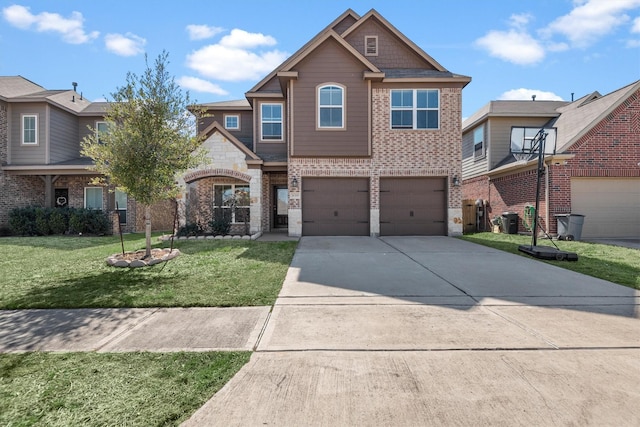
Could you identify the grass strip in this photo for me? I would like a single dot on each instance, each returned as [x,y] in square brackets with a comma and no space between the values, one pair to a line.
[98,389]
[613,263]
[71,272]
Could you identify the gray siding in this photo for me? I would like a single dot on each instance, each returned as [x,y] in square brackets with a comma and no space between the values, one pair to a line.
[471,166]
[330,63]
[500,135]
[27,154]
[63,136]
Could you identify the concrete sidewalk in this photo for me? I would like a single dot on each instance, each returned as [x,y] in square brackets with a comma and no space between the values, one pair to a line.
[120,330]
[424,331]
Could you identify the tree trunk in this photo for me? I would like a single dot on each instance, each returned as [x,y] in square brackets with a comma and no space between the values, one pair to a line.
[147,230]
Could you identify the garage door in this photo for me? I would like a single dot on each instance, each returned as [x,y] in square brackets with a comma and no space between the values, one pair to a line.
[335,207]
[413,207]
[611,206]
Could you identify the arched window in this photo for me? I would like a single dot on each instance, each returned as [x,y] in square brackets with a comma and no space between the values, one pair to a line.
[331,107]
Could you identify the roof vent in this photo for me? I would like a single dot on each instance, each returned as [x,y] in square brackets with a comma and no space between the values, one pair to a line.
[371,45]
[75,85]
[533,97]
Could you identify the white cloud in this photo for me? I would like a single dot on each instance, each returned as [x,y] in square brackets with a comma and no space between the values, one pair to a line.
[200,85]
[523,94]
[201,32]
[512,46]
[71,29]
[244,40]
[589,20]
[125,45]
[232,59]
[635,28]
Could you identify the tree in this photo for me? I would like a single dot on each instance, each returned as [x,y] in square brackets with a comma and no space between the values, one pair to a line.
[150,138]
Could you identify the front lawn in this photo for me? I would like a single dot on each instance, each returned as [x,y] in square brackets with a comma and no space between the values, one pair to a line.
[71,272]
[613,263]
[118,389]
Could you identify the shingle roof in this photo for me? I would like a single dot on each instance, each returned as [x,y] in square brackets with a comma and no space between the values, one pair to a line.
[515,109]
[13,86]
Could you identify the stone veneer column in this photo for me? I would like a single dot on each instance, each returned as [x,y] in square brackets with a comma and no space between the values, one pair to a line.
[255,195]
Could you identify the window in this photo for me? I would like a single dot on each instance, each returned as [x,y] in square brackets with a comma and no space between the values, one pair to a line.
[121,205]
[522,139]
[271,116]
[371,45]
[415,109]
[232,122]
[478,142]
[30,129]
[101,129]
[93,198]
[331,107]
[231,202]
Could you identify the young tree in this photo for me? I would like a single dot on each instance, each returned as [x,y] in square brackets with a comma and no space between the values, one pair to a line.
[150,138]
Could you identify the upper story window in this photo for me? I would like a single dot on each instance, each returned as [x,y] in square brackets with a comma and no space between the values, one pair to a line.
[478,142]
[415,109]
[271,122]
[232,122]
[331,107]
[523,139]
[30,129]
[101,130]
[371,45]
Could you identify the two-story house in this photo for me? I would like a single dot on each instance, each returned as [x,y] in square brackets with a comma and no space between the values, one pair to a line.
[592,160]
[357,133]
[40,161]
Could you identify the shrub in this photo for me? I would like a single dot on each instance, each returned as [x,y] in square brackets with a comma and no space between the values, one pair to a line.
[42,221]
[191,229]
[22,221]
[220,225]
[59,220]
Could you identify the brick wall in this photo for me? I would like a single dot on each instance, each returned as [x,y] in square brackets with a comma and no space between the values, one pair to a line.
[609,149]
[398,153]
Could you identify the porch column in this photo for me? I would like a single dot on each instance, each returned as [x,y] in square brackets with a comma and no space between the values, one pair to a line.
[255,196]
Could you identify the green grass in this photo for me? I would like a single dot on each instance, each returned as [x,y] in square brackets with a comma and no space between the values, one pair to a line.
[613,263]
[71,272]
[92,389]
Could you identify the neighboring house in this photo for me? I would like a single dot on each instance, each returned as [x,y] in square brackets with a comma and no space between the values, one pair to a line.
[357,133]
[40,161]
[592,164]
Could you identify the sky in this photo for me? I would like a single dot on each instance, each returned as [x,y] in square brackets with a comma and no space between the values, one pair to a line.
[512,49]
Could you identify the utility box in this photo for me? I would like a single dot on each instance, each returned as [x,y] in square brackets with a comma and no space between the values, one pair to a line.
[510,222]
[570,226]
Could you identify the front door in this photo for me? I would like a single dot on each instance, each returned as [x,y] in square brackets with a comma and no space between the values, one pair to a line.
[280,207]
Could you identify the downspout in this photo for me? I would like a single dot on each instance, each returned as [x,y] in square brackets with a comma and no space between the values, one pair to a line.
[546,197]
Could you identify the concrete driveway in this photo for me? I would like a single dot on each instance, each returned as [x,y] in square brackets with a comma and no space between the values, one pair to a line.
[437,331]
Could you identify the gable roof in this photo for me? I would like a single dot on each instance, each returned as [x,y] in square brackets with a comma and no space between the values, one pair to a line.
[331,32]
[217,127]
[579,117]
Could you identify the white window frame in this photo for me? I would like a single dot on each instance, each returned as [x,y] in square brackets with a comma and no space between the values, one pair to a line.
[97,129]
[263,122]
[366,46]
[23,129]
[226,124]
[233,191]
[101,198]
[414,109]
[479,130]
[341,106]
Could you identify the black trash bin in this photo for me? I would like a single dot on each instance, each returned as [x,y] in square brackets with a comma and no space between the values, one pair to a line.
[510,222]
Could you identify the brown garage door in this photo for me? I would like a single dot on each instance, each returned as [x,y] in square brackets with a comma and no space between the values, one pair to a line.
[335,206]
[413,207]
